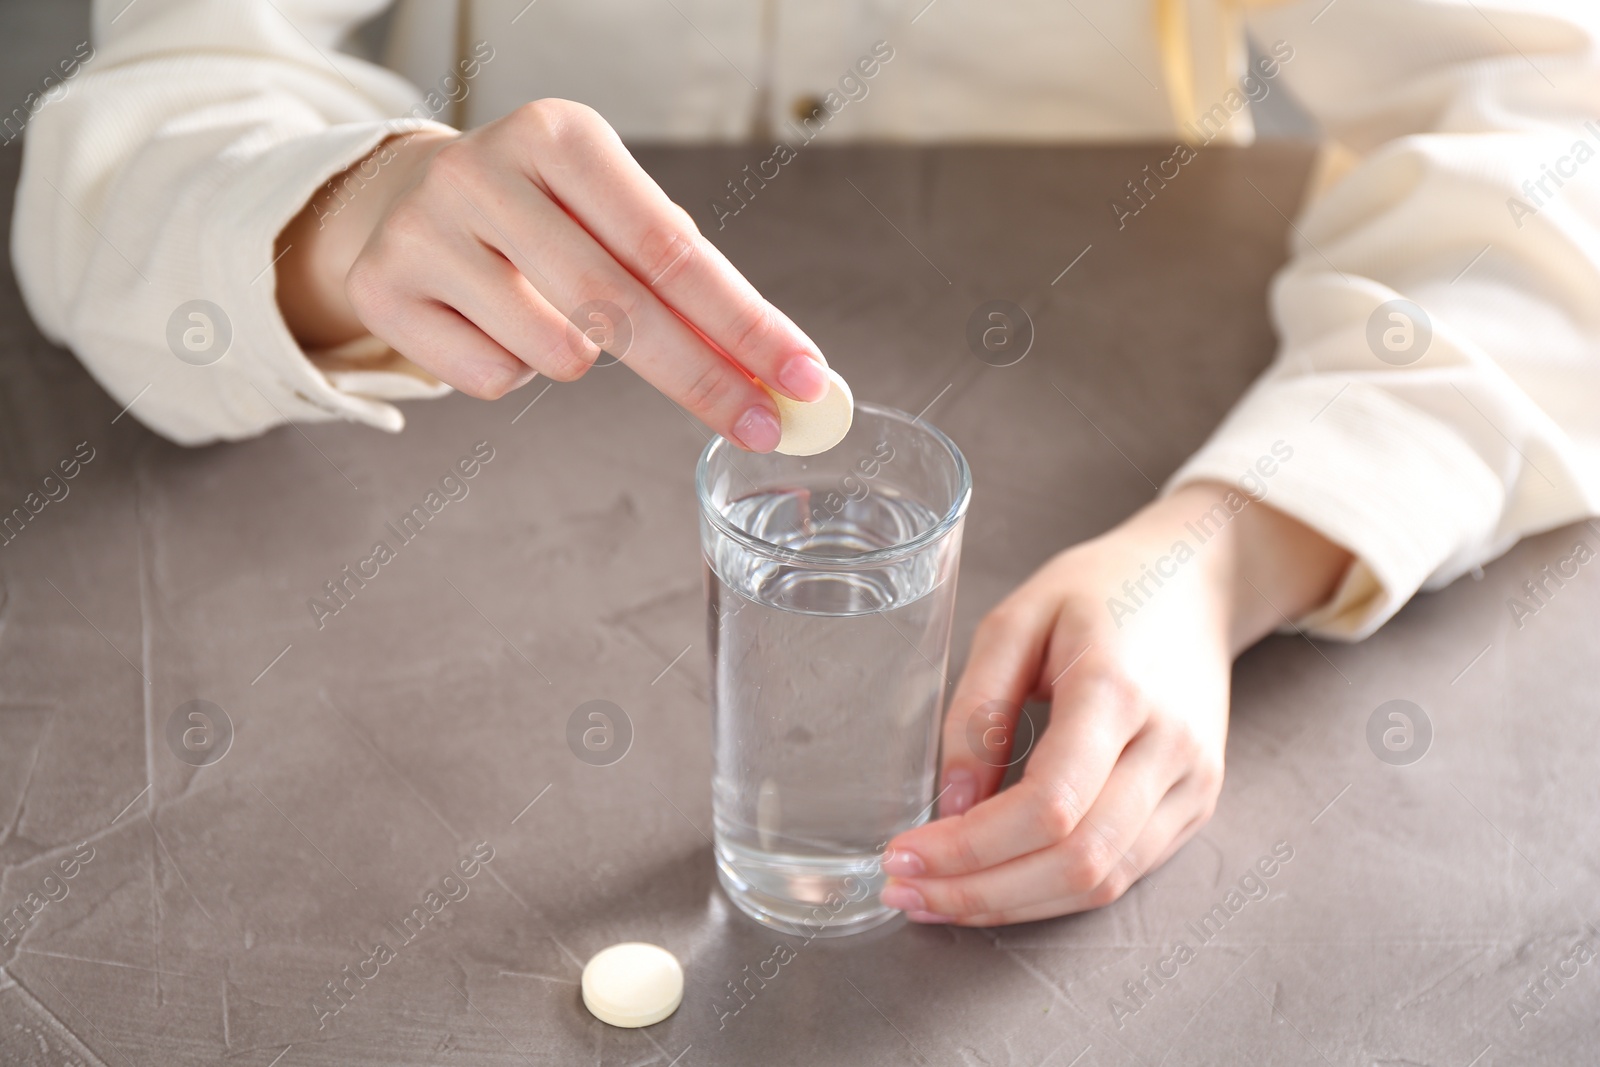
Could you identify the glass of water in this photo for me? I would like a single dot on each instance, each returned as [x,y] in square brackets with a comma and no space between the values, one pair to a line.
[830,585]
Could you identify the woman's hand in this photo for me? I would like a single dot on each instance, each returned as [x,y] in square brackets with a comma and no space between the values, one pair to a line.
[469,253]
[1133,643]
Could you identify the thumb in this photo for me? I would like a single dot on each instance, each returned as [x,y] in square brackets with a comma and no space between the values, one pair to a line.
[981,730]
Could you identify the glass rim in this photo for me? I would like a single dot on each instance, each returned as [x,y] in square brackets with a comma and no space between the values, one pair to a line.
[935,533]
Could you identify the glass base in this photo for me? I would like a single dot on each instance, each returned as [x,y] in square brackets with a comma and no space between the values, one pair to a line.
[818,900]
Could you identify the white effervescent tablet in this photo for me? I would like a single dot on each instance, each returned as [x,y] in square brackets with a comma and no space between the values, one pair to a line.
[632,984]
[815,427]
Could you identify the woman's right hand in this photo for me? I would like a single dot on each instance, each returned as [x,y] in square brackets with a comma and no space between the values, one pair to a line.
[470,254]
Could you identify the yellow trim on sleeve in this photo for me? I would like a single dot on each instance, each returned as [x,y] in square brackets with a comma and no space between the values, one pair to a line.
[1177,61]
[1176,43]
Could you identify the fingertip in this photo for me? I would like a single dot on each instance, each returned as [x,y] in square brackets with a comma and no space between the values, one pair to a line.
[758,430]
[496,380]
[803,378]
[928,918]
[812,350]
[959,793]
[902,897]
[903,863]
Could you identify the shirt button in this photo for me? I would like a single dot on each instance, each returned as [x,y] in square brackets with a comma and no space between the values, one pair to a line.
[807,106]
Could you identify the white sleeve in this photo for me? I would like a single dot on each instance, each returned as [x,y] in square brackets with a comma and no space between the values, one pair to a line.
[182,145]
[1471,132]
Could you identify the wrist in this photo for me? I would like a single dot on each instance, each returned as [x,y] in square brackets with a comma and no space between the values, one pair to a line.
[1263,567]
[318,247]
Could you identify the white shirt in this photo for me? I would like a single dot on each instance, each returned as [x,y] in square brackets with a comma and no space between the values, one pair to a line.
[1462,176]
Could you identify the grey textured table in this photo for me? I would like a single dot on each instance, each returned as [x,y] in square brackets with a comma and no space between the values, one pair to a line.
[215,906]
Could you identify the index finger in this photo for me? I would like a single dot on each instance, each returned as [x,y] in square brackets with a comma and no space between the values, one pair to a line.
[584,166]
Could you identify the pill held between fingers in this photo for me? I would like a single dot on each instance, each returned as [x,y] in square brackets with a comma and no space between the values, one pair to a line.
[632,984]
[810,428]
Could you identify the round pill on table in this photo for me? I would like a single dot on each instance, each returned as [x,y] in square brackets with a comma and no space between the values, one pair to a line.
[810,428]
[632,984]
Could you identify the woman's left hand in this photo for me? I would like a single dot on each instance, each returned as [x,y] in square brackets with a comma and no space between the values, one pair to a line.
[1136,664]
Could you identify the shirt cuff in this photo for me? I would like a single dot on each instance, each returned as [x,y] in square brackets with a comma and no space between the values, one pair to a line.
[1392,485]
[278,381]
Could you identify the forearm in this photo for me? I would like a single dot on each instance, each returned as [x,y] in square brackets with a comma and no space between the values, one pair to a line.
[1263,567]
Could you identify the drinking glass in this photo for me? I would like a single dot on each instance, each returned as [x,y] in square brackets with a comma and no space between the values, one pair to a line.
[830,586]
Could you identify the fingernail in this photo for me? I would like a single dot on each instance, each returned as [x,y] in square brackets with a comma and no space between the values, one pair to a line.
[903,864]
[758,430]
[902,898]
[927,917]
[803,379]
[960,790]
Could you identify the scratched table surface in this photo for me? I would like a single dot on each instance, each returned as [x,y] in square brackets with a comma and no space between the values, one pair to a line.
[399,859]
